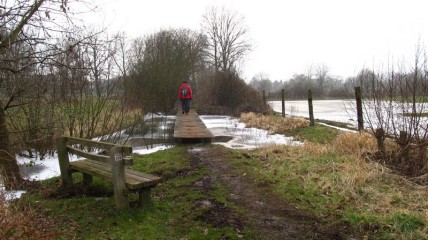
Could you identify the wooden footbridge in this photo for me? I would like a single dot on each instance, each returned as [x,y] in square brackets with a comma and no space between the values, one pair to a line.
[190,128]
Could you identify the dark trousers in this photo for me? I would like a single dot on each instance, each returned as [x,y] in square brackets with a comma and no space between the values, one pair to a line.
[185,105]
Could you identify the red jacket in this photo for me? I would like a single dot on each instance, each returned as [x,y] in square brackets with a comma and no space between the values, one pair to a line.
[180,92]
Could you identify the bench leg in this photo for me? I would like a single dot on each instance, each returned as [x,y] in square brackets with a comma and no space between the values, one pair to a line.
[144,196]
[87,179]
[67,181]
[64,165]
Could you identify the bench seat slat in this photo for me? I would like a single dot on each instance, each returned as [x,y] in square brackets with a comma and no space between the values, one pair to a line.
[134,179]
[95,170]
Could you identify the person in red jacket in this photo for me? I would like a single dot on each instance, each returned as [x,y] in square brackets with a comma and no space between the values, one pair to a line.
[185,96]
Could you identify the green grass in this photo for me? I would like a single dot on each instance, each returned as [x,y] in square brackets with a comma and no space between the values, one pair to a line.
[417,115]
[418,99]
[173,213]
[286,179]
[317,134]
[396,226]
[335,123]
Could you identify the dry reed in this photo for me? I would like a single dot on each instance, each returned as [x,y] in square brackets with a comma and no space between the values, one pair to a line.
[272,123]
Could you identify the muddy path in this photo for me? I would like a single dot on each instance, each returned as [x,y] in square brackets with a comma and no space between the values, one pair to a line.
[267,215]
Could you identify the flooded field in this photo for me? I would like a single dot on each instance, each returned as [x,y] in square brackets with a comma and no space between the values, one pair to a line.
[332,110]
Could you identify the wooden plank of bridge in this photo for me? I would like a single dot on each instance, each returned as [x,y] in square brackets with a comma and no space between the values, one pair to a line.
[190,127]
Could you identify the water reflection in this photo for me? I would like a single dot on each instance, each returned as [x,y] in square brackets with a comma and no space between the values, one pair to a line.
[157,130]
[154,130]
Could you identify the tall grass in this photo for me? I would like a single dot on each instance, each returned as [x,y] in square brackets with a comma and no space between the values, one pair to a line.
[86,119]
[298,127]
[348,162]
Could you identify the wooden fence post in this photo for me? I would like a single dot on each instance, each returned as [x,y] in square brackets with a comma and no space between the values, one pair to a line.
[264,96]
[283,102]
[311,109]
[64,164]
[403,141]
[118,175]
[422,153]
[380,137]
[359,108]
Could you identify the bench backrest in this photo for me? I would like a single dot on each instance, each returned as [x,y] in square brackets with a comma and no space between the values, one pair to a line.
[85,148]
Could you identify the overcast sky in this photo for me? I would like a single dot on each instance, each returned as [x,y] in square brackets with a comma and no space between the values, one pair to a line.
[291,36]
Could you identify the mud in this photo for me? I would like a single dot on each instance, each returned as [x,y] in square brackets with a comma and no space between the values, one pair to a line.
[267,215]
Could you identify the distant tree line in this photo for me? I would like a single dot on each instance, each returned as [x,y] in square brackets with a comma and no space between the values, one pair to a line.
[323,85]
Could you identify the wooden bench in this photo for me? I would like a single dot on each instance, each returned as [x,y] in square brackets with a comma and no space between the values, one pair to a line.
[110,167]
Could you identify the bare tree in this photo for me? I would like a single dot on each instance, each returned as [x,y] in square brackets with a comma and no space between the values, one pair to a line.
[395,106]
[261,82]
[121,56]
[297,86]
[227,37]
[321,75]
[26,33]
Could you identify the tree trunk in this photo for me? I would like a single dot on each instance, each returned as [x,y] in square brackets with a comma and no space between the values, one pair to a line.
[9,168]
[403,142]
[422,154]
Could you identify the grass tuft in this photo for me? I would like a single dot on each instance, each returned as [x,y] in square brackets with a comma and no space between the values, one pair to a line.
[272,123]
[353,144]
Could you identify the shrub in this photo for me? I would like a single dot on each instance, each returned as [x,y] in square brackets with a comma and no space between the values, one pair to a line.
[226,93]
